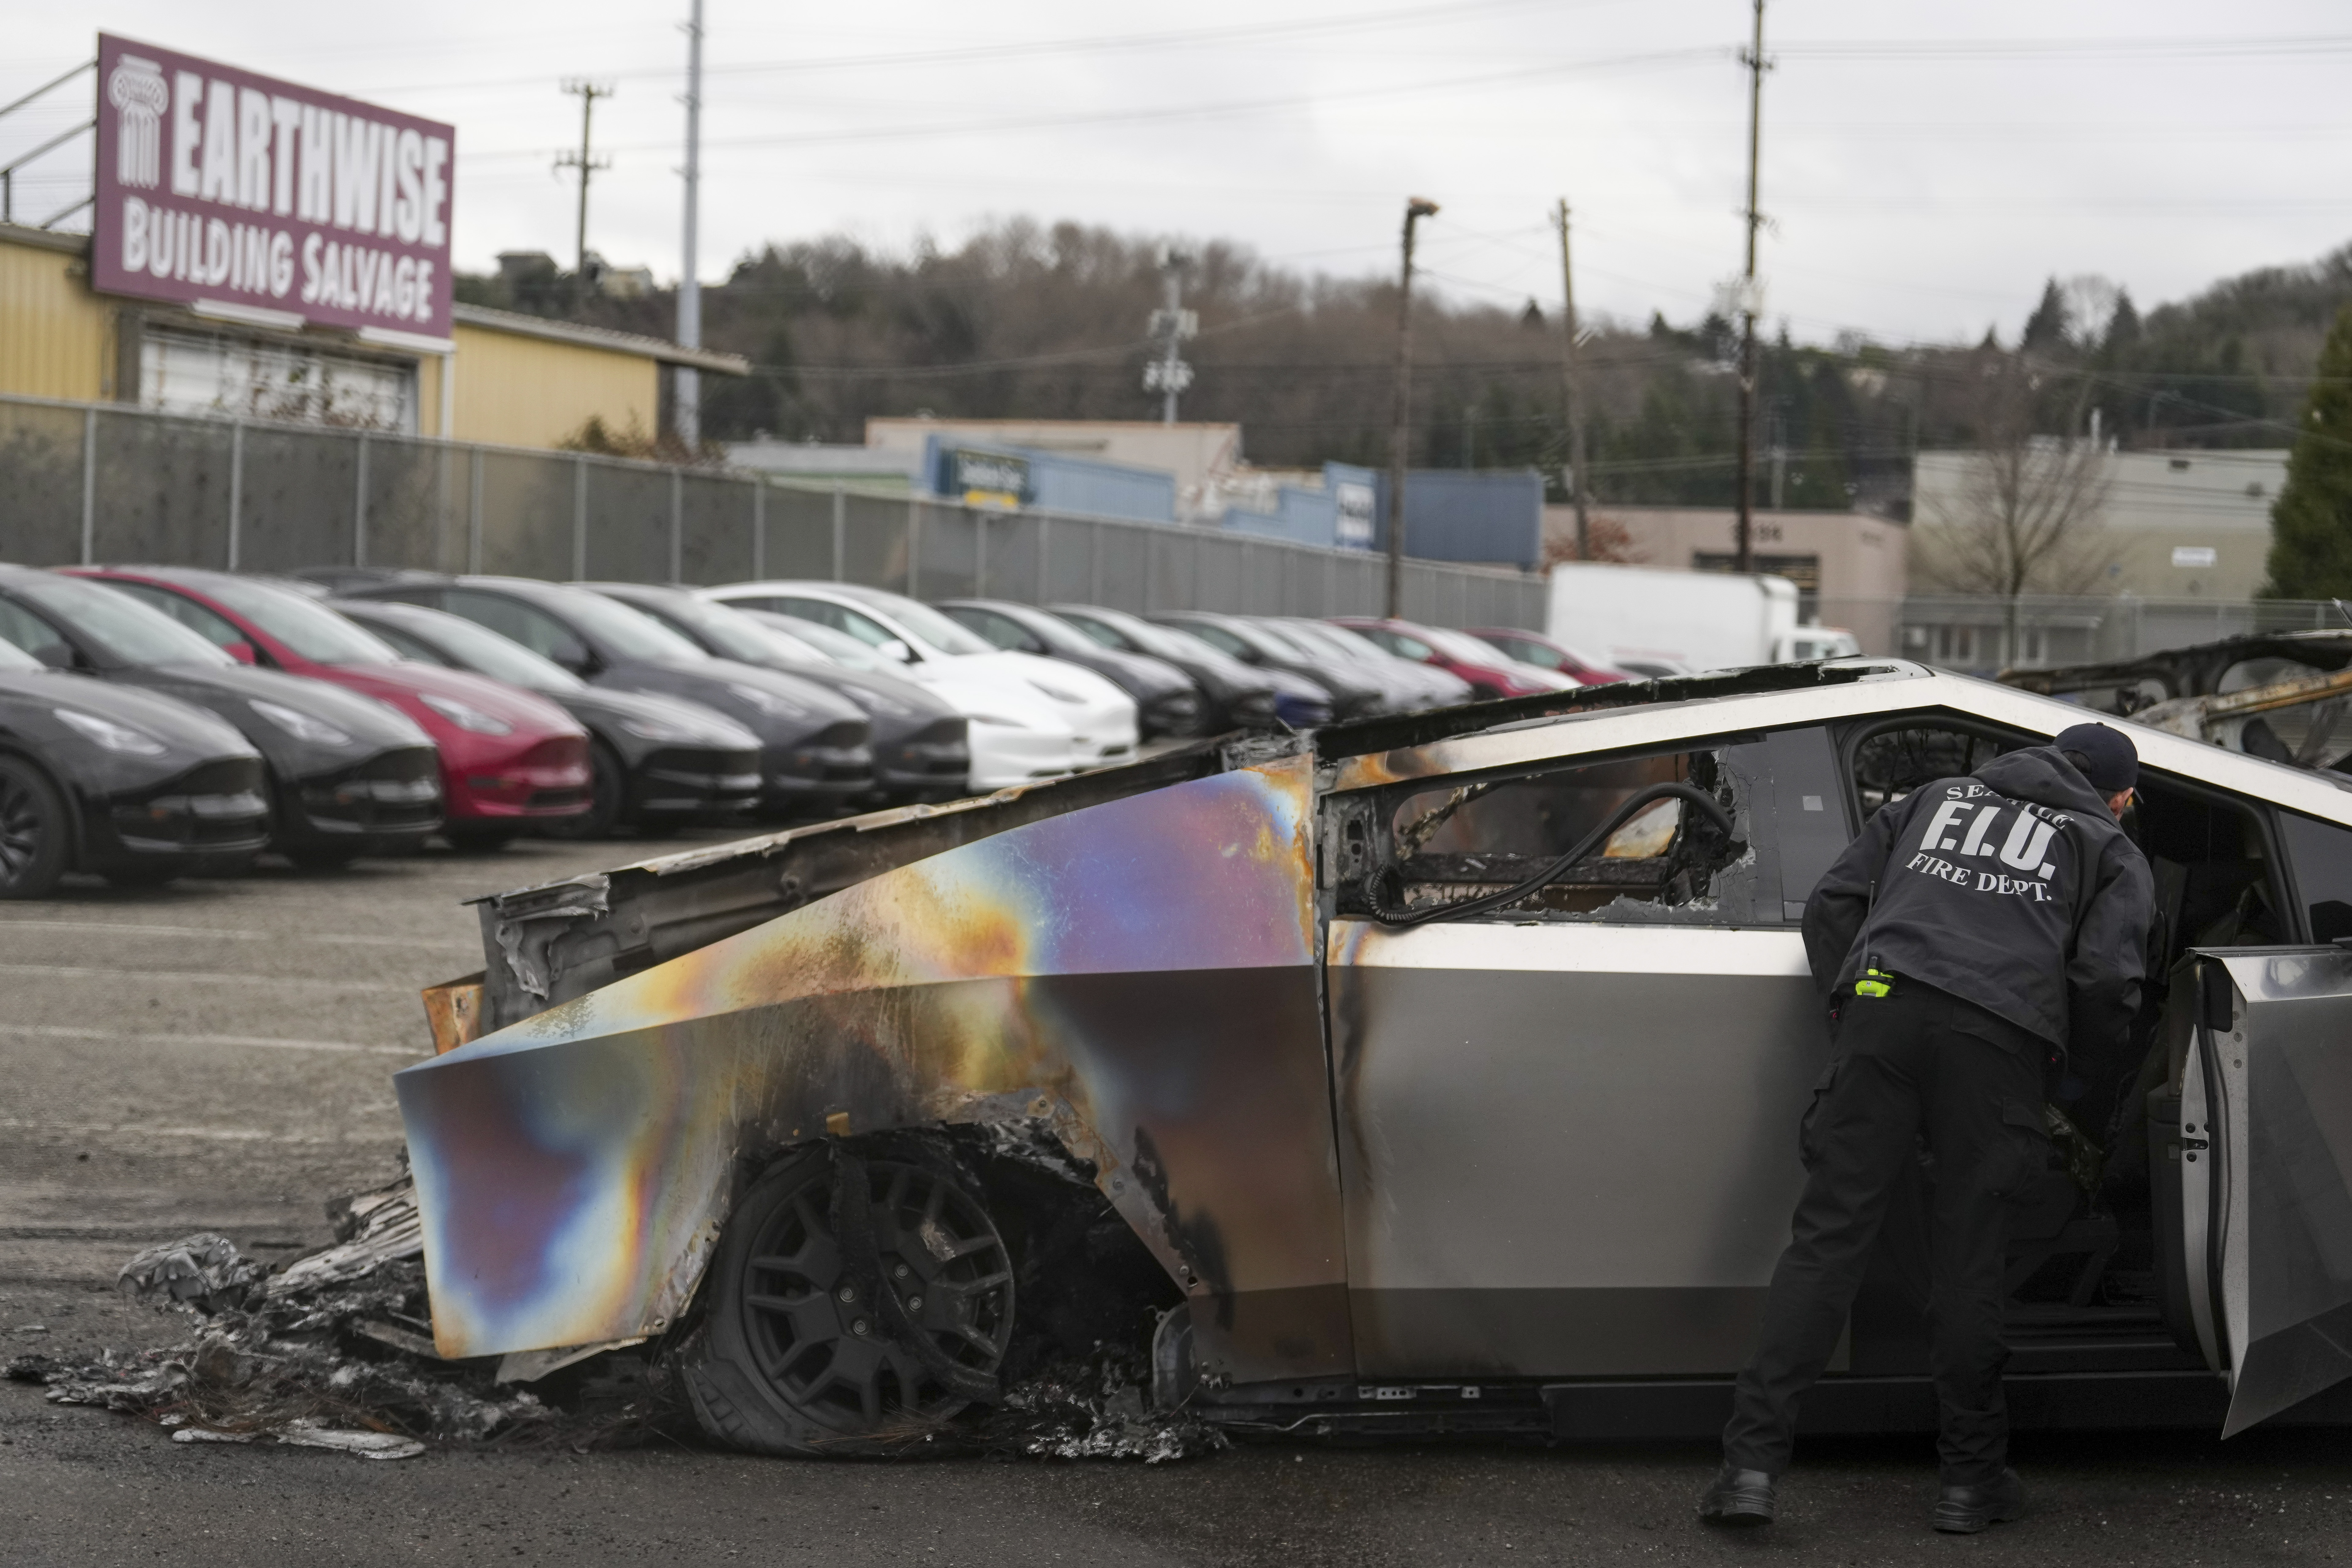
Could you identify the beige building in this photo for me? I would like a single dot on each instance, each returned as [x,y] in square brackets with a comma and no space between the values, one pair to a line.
[500,377]
[2165,525]
[1849,567]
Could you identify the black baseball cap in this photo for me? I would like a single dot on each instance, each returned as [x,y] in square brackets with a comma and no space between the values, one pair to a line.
[2108,759]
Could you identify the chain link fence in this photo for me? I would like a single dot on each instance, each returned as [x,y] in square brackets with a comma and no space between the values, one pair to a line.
[98,482]
[1983,634]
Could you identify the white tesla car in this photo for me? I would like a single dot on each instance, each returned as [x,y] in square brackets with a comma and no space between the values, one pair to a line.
[1031,718]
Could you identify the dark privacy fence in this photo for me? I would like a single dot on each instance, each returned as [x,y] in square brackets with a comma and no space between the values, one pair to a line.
[98,482]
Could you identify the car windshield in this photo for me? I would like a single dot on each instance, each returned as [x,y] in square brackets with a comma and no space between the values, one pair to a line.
[313,631]
[1533,653]
[1113,629]
[484,652]
[1459,647]
[119,624]
[631,632]
[730,632]
[932,630]
[821,642]
[1346,641]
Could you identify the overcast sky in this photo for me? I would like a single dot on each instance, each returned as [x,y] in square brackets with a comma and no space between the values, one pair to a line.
[1924,166]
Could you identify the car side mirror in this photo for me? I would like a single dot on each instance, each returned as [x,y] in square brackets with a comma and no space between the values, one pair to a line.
[56,655]
[241,651]
[896,650]
[576,657]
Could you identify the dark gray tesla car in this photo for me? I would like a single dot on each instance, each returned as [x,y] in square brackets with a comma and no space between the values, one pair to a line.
[815,750]
[922,746]
[347,776]
[654,762]
[132,786]
[1167,699]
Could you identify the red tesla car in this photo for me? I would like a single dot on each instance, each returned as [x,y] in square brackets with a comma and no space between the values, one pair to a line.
[1490,671]
[1529,648]
[509,757]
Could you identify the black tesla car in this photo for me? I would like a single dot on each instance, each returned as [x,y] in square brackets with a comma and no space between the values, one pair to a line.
[346,776]
[134,785]
[656,763]
[1354,695]
[1238,695]
[815,753]
[921,749]
[1167,699]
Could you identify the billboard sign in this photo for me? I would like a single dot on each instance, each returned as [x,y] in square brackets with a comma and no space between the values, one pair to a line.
[217,187]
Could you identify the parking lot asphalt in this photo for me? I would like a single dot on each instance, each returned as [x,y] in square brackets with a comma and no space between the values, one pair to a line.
[216,1056]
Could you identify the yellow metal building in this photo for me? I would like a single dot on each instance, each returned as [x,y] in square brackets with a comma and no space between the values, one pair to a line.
[500,378]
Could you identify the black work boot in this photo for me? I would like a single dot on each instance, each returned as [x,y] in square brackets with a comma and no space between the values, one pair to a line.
[1737,1498]
[1964,1510]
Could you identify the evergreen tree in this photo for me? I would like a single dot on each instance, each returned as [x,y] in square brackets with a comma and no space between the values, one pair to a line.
[2046,328]
[2310,524]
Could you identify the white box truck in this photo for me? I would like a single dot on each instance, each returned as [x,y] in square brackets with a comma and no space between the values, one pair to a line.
[1647,622]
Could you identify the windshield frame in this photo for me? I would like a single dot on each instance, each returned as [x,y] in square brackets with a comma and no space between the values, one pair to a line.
[930,629]
[273,609]
[475,647]
[627,630]
[96,600]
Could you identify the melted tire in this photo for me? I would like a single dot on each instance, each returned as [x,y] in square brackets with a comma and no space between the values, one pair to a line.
[798,1354]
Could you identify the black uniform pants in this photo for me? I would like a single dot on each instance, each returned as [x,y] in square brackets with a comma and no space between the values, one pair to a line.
[1920,1061]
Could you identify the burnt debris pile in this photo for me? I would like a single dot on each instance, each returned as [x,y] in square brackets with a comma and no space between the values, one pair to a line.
[333,1349]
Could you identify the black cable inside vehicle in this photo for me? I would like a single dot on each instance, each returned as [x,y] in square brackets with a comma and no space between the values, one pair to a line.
[1385,886]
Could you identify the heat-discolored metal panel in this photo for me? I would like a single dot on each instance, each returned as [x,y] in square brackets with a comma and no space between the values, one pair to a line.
[1139,976]
[2282,1107]
[1569,1150]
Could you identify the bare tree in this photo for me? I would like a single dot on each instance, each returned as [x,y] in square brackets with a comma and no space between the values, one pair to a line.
[2026,515]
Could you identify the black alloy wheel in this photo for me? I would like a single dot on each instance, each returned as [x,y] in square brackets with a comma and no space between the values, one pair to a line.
[855,1301]
[33,831]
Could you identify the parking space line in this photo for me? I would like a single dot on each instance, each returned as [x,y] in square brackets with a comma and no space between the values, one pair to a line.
[184,977]
[231,933]
[347,1047]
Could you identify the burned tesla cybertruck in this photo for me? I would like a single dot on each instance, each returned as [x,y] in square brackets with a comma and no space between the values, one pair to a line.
[1436,1073]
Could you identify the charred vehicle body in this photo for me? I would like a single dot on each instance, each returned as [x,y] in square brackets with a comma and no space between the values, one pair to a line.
[1443,1070]
[2281,696]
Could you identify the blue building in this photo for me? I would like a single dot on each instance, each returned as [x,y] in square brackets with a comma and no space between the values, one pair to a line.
[1462,514]
[986,473]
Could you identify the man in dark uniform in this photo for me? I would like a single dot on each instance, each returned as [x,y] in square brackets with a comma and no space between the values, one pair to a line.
[1977,930]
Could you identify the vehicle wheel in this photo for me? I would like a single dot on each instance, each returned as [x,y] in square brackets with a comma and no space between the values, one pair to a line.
[608,792]
[34,830]
[857,1303]
[477,840]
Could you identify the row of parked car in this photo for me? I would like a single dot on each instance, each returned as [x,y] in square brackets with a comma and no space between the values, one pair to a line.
[346,712]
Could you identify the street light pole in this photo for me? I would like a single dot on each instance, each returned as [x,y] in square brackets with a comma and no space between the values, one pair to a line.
[1571,386]
[1754,60]
[1415,209]
[689,286]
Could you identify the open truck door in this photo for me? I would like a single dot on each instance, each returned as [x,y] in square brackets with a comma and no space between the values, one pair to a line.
[2263,1164]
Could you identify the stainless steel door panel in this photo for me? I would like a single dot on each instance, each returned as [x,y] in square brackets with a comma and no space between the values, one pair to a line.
[1566,1149]
[2281,1084]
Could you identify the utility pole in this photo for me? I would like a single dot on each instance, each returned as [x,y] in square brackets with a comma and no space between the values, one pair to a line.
[689,286]
[1169,375]
[1753,58]
[1571,385]
[589,92]
[1415,209]
[1779,453]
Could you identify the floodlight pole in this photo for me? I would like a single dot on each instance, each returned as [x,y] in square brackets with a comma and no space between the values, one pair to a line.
[1754,61]
[1415,209]
[689,286]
